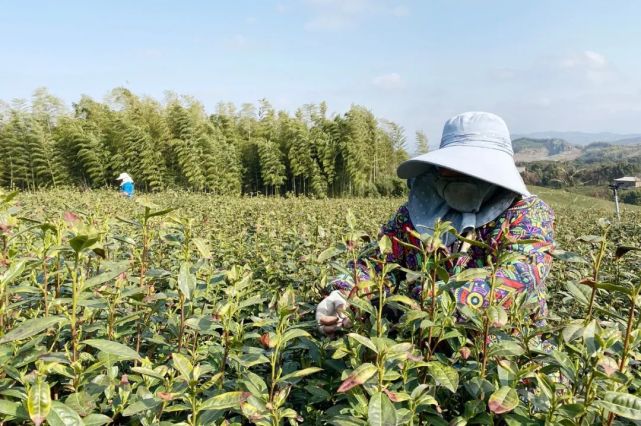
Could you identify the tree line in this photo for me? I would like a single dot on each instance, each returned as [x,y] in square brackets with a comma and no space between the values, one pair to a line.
[175,144]
[564,174]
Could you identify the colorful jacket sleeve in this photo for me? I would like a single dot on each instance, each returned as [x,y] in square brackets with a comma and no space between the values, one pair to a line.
[526,229]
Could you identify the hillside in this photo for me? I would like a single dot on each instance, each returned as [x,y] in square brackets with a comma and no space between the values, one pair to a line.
[585,138]
[529,149]
[603,152]
[559,198]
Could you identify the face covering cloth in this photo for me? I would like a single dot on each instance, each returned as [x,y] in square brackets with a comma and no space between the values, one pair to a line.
[467,202]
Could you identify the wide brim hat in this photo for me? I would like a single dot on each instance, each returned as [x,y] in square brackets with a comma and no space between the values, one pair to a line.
[477,144]
[124,176]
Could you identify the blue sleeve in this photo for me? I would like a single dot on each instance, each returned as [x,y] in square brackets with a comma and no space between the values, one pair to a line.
[128,188]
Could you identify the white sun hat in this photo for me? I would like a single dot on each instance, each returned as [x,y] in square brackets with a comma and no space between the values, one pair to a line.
[125,177]
[477,144]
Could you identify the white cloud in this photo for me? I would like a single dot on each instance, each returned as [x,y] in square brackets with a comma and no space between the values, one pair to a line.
[331,15]
[577,70]
[389,81]
[586,59]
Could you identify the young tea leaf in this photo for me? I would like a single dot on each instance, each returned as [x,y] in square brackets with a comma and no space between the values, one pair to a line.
[300,373]
[186,280]
[622,404]
[444,375]
[63,415]
[30,328]
[381,411]
[503,400]
[39,401]
[225,401]
[183,365]
[113,348]
[358,377]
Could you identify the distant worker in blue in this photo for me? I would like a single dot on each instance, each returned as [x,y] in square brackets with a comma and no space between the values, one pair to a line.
[126,185]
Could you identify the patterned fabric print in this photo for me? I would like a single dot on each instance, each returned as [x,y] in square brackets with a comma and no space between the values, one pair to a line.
[527,219]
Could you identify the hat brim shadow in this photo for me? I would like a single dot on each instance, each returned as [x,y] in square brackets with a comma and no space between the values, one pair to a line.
[490,165]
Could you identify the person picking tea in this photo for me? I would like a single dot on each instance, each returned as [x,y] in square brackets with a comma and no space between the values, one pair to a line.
[472,182]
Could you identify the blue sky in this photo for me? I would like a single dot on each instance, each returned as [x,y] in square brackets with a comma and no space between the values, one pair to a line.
[542,65]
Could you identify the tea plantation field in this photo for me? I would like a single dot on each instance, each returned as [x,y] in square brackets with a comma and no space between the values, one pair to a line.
[186,309]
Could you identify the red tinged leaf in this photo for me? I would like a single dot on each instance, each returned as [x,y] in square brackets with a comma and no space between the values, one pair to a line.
[70,217]
[588,281]
[358,377]
[503,400]
[415,358]
[165,396]
[465,352]
[391,395]
[264,340]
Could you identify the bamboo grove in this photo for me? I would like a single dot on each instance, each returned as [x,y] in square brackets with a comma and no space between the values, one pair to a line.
[175,144]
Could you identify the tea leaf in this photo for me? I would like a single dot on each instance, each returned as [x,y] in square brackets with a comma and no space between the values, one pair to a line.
[615,288]
[102,278]
[567,256]
[381,411]
[520,420]
[82,242]
[363,341]
[589,337]
[63,415]
[183,365]
[14,271]
[571,411]
[224,401]
[186,280]
[300,373]
[444,375]
[113,348]
[293,333]
[622,404]
[329,253]
[256,385]
[346,421]
[572,332]
[141,406]
[506,348]
[385,245]
[580,294]
[148,372]
[96,420]
[39,401]
[13,409]
[203,248]
[159,213]
[30,328]
[497,316]
[398,298]
[503,400]
[359,376]
[471,274]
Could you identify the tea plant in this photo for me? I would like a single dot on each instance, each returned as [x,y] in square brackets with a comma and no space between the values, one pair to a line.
[187,309]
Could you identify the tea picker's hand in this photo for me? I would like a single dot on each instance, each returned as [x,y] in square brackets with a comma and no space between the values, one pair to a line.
[330,314]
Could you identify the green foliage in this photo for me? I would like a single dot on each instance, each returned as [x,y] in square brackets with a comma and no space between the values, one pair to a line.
[422,146]
[631,196]
[176,145]
[551,146]
[140,313]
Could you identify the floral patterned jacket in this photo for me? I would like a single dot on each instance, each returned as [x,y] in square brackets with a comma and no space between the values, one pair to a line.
[529,227]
